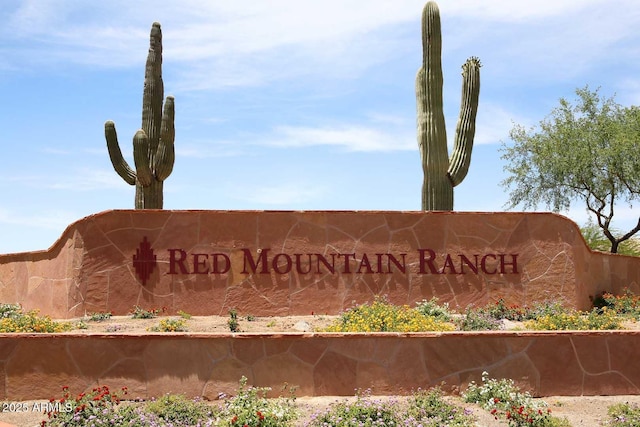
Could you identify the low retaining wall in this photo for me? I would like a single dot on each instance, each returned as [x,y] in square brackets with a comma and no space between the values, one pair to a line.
[294,263]
[36,366]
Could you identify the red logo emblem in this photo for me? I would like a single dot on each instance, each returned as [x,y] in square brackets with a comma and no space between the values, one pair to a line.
[144,261]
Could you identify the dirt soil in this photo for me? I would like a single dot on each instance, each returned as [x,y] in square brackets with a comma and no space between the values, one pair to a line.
[588,411]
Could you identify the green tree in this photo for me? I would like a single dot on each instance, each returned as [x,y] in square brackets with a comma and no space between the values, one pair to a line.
[596,240]
[585,152]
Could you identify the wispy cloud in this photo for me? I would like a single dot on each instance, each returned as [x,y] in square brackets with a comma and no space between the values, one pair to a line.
[494,123]
[288,195]
[78,180]
[217,44]
[348,137]
[50,219]
[209,149]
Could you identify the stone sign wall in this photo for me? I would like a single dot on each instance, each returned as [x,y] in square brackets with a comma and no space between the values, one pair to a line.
[302,262]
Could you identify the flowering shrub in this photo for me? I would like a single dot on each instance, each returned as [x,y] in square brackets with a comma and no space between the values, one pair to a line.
[101,407]
[365,411]
[423,408]
[627,305]
[93,408]
[505,401]
[141,313]
[170,410]
[500,310]
[429,409]
[10,310]
[381,316]
[17,321]
[623,415]
[576,320]
[251,408]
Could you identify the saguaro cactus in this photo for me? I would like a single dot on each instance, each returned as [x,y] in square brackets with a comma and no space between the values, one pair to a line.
[441,174]
[153,151]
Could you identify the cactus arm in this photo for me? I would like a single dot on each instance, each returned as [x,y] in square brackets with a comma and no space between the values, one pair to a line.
[466,126]
[165,156]
[117,160]
[141,158]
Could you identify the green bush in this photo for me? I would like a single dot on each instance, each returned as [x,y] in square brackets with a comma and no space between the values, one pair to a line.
[179,410]
[234,325]
[423,408]
[100,316]
[478,320]
[365,411]
[431,308]
[170,325]
[141,313]
[430,409]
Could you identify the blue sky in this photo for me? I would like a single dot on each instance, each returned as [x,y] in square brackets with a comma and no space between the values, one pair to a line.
[282,104]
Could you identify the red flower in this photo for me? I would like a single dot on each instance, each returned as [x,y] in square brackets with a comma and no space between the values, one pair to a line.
[234,420]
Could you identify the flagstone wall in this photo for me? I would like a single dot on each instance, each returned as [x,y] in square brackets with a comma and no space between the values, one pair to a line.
[298,262]
[151,365]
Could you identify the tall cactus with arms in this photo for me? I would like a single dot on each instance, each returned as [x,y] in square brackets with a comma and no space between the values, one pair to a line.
[441,174]
[153,151]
